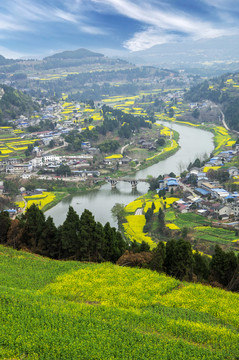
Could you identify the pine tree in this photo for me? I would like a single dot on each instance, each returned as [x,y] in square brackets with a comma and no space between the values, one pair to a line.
[144,246]
[179,259]
[223,265]
[217,265]
[5,223]
[69,233]
[110,243]
[158,257]
[98,243]
[200,266]
[34,224]
[161,221]
[87,239]
[48,245]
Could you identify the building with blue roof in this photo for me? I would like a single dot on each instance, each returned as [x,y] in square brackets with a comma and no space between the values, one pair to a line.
[202,192]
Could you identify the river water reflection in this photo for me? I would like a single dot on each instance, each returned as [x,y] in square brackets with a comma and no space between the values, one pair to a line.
[193,143]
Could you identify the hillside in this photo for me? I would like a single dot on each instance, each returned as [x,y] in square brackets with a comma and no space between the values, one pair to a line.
[4,61]
[70,310]
[14,103]
[76,54]
[222,90]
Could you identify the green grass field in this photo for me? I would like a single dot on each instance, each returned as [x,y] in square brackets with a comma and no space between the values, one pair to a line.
[68,310]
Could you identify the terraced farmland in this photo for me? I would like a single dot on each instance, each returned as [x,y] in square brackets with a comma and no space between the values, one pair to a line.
[71,310]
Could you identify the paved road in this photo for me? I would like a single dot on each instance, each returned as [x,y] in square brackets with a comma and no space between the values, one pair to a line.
[187,188]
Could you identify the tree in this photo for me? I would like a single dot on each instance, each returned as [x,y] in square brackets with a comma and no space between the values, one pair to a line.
[33,226]
[153,183]
[171,112]
[29,149]
[161,221]
[5,223]
[139,259]
[51,144]
[63,170]
[144,246]
[161,141]
[196,113]
[158,257]
[114,245]
[184,232]
[118,212]
[10,187]
[97,245]
[200,266]
[69,234]
[179,259]
[14,234]
[149,214]
[223,266]
[88,241]
[48,242]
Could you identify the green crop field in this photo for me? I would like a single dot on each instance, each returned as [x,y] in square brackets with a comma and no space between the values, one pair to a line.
[71,310]
[219,235]
[190,220]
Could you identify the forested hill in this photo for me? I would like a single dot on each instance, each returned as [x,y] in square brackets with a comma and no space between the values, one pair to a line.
[75,54]
[78,57]
[14,103]
[4,61]
[222,90]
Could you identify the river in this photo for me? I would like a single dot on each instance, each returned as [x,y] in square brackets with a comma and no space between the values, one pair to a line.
[193,143]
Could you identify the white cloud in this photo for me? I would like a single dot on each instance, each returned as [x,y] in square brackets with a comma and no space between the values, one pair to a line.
[93,30]
[146,39]
[65,16]
[161,21]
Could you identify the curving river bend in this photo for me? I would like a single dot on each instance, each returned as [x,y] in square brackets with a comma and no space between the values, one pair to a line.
[193,143]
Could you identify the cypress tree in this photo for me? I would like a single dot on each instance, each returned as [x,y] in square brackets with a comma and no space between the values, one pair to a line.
[69,233]
[200,266]
[158,259]
[179,259]
[5,223]
[34,224]
[48,244]
[223,266]
[87,240]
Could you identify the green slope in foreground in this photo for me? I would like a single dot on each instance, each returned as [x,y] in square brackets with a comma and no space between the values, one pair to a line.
[69,310]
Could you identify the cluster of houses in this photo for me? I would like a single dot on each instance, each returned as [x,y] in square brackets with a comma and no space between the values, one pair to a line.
[208,198]
[48,163]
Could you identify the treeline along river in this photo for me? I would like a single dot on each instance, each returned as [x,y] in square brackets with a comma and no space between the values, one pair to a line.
[193,143]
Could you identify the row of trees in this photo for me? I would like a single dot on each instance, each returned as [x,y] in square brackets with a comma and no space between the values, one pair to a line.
[84,239]
[178,259]
[78,238]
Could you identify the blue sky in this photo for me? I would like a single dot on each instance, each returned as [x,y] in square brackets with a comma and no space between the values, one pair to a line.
[43,27]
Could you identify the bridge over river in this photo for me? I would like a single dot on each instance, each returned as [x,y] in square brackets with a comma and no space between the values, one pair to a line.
[133,182]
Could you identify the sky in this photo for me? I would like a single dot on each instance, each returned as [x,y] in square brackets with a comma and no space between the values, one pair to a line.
[37,28]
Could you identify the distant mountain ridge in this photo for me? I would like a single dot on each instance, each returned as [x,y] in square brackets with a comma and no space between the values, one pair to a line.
[4,61]
[208,56]
[74,54]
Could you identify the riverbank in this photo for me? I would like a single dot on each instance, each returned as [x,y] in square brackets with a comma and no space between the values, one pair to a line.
[222,137]
[152,159]
[193,143]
